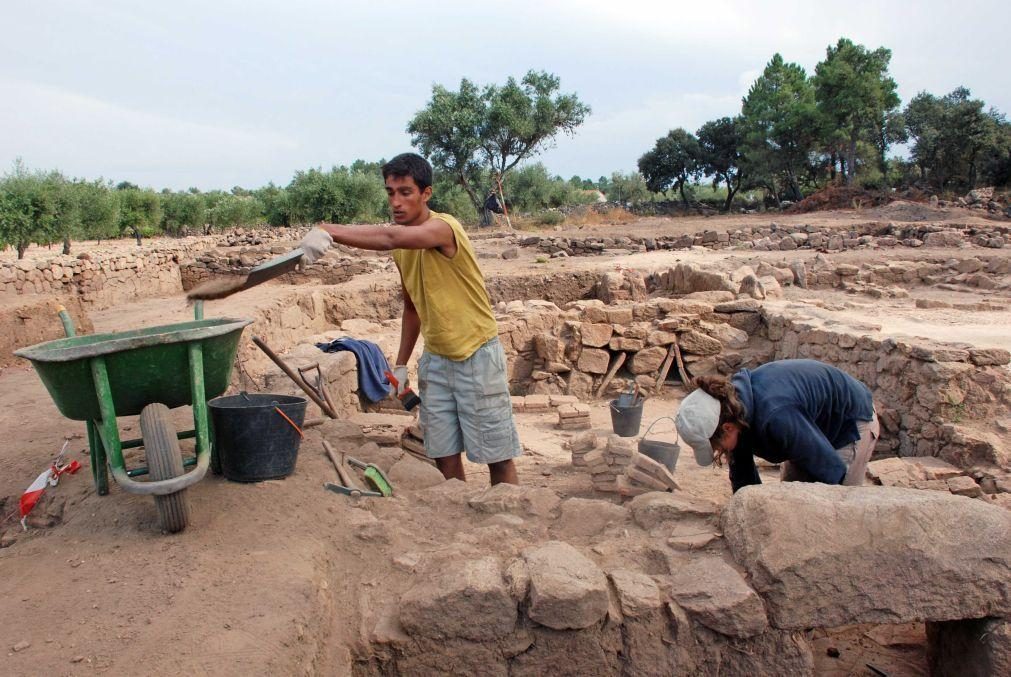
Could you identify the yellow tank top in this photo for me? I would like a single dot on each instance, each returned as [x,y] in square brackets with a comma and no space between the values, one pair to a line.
[450,296]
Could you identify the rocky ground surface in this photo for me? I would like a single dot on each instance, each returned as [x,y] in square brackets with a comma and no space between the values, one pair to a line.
[282,577]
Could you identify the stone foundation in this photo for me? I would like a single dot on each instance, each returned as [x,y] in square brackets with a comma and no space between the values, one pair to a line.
[99,280]
[776,237]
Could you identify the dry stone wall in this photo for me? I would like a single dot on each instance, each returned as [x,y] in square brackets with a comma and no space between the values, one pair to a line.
[98,280]
[590,348]
[933,399]
[331,269]
[591,587]
[776,237]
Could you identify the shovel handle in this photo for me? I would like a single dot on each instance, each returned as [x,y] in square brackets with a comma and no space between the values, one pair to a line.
[299,381]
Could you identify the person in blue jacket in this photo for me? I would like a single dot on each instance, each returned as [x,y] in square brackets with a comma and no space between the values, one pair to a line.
[817,421]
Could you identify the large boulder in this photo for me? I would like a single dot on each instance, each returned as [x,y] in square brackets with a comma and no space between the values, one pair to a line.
[468,599]
[825,556]
[567,590]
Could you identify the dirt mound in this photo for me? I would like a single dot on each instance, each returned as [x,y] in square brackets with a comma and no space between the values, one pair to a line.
[901,210]
[839,197]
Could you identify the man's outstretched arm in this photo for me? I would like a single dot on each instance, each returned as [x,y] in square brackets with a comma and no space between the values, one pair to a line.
[429,235]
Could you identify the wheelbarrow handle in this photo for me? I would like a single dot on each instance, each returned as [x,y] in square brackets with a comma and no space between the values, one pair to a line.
[68,322]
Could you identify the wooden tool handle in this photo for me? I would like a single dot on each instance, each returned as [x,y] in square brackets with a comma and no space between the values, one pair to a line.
[338,465]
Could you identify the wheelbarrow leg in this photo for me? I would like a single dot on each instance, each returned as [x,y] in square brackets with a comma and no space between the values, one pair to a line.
[99,469]
[107,432]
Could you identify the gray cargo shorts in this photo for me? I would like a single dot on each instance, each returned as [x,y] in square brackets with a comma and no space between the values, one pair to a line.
[465,406]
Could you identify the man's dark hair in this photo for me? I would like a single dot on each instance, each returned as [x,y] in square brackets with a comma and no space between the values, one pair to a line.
[412,165]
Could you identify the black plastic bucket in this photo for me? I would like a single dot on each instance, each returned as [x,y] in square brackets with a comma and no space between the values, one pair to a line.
[625,421]
[254,439]
[662,452]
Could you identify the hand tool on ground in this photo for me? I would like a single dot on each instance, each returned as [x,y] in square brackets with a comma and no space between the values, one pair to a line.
[220,288]
[347,486]
[338,464]
[299,380]
[407,398]
[374,476]
[353,493]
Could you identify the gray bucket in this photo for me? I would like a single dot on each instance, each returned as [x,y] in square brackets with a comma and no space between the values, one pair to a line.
[625,421]
[665,453]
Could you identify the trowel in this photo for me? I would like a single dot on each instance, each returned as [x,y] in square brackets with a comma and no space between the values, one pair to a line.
[220,288]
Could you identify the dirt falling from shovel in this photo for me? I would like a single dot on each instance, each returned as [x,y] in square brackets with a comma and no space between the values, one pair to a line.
[216,289]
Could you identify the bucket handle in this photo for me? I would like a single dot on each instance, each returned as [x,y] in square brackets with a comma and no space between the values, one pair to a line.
[621,410]
[294,425]
[677,437]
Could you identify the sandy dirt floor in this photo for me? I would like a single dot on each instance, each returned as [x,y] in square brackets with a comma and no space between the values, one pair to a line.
[278,577]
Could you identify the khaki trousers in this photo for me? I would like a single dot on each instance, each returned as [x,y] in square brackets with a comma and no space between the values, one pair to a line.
[854,455]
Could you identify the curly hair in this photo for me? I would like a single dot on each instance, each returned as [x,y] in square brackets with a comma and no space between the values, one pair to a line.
[731,407]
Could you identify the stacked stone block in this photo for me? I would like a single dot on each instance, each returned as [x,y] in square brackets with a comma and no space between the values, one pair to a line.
[607,464]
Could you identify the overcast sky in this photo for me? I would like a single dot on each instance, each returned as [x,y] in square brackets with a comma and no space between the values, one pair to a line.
[221,93]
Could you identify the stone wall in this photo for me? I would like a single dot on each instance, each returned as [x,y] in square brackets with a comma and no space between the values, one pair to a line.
[331,269]
[588,348]
[593,587]
[99,280]
[776,237]
[933,399]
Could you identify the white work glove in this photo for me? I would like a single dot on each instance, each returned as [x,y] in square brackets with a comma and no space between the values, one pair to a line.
[314,246]
[400,373]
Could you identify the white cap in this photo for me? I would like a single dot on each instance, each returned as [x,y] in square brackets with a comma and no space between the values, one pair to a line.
[697,419]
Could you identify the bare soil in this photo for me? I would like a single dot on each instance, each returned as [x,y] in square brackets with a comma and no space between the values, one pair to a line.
[282,577]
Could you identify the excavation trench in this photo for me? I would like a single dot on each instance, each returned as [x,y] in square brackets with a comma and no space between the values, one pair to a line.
[475,602]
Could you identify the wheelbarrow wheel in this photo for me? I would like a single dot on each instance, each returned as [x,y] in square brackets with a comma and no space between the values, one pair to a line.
[164,461]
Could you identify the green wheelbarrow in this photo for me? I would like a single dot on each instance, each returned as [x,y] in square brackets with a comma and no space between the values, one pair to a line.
[98,377]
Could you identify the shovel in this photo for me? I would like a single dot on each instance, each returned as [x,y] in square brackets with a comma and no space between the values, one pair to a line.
[219,289]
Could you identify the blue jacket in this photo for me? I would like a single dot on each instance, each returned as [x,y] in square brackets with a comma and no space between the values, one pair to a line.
[799,411]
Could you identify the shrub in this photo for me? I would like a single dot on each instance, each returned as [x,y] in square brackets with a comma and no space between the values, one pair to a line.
[550,217]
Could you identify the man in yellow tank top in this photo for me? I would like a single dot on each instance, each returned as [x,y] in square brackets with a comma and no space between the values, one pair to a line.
[465,403]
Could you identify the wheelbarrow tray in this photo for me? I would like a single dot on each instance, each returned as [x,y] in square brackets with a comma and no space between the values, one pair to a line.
[144,366]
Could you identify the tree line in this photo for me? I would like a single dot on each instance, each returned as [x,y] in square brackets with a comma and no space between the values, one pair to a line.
[48,208]
[796,133]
